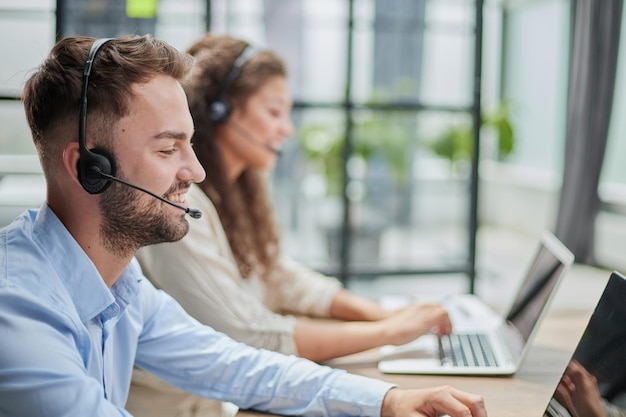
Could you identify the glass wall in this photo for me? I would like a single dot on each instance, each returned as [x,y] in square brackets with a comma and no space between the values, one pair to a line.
[614,169]
[27,33]
[536,57]
[407,71]
[406,68]
[520,192]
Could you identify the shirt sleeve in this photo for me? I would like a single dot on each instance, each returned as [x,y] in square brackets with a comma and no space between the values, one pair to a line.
[297,289]
[199,271]
[207,363]
[41,371]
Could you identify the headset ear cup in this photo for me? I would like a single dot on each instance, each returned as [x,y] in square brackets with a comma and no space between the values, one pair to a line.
[219,111]
[91,163]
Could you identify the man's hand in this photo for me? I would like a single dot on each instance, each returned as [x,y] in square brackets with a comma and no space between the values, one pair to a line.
[432,402]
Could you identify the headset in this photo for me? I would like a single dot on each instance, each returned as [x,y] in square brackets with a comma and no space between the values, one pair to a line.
[220,108]
[96,167]
[95,163]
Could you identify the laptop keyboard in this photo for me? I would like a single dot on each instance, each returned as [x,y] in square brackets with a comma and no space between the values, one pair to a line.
[466,349]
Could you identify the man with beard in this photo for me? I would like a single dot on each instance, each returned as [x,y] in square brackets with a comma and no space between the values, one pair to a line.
[76,313]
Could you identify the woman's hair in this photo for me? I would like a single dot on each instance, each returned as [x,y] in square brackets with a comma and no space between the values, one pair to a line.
[243,205]
[52,94]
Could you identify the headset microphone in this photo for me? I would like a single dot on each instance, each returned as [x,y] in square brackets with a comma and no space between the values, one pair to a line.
[195,213]
[244,132]
[96,167]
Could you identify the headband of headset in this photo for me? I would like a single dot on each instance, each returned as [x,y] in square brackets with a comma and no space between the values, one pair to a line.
[93,162]
[220,108]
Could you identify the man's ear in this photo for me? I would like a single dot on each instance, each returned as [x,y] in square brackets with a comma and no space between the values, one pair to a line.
[71,156]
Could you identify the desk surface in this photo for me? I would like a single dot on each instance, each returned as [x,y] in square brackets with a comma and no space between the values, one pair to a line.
[524,395]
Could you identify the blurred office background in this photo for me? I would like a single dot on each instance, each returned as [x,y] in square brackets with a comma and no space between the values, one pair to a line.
[382,179]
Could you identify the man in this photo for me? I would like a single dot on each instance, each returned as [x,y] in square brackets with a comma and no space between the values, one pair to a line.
[75,311]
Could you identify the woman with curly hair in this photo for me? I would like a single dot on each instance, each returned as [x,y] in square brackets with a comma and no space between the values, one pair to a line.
[228,272]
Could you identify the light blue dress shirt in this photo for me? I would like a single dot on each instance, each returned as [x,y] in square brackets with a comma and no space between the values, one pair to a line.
[68,343]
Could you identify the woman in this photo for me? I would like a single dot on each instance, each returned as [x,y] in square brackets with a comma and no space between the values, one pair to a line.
[228,271]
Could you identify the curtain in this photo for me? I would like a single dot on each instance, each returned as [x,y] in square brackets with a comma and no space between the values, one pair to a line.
[593,61]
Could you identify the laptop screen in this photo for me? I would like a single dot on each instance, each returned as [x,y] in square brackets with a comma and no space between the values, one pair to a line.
[550,262]
[594,383]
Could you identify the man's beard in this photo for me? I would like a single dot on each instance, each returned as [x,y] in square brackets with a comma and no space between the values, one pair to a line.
[130,223]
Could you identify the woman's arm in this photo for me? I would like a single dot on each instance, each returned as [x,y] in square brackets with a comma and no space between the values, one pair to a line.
[364,323]
[323,340]
[349,306]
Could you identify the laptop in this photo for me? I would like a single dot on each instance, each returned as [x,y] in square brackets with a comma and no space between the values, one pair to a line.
[600,356]
[483,342]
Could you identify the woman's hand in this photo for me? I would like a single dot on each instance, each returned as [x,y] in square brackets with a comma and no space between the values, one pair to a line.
[416,320]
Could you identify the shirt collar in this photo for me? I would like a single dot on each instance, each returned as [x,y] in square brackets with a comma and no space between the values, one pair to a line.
[79,275]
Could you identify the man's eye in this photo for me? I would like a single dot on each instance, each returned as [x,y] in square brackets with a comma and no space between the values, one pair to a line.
[168,151]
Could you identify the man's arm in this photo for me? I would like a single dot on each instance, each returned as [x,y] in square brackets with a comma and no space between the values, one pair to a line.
[41,371]
[210,364]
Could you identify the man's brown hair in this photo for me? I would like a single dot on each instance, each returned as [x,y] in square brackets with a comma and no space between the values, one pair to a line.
[52,94]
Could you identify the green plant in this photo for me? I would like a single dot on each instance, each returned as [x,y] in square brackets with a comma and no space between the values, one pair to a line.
[323,149]
[456,141]
[374,133]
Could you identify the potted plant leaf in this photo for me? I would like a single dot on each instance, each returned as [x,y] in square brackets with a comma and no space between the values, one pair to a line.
[381,140]
[456,145]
